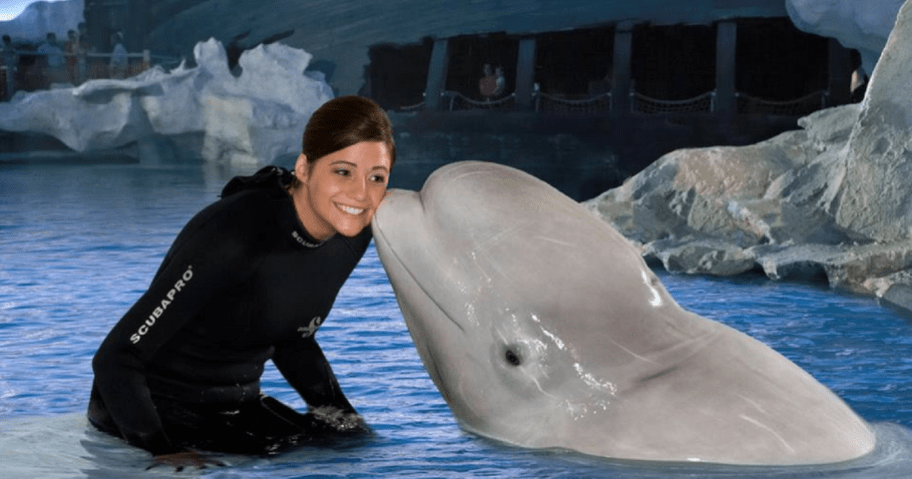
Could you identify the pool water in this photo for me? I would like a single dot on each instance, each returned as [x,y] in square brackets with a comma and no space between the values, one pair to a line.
[79,244]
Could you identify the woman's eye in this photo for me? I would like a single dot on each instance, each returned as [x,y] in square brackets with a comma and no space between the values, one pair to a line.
[378,179]
[343,172]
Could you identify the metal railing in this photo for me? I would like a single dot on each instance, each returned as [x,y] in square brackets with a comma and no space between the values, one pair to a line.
[643,104]
[799,106]
[37,75]
[411,108]
[555,104]
[456,101]
[639,103]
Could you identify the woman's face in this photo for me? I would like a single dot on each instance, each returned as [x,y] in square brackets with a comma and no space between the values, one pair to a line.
[342,190]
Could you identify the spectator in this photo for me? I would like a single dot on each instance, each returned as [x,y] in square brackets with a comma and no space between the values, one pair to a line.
[82,30]
[118,65]
[73,50]
[488,83]
[85,48]
[54,58]
[500,83]
[10,62]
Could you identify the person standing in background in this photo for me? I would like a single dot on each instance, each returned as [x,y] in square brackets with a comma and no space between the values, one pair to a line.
[500,82]
[10,59]
[82,62]
[118,66]
[488,83]
[53,60]
[73,50]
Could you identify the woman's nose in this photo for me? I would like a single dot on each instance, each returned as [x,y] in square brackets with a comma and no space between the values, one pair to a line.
[358,189]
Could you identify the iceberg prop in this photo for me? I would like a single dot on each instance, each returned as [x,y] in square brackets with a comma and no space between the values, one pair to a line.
[860,24]
[253,118]
[830,200]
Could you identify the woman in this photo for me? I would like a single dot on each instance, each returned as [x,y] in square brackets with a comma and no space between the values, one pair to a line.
[249,278]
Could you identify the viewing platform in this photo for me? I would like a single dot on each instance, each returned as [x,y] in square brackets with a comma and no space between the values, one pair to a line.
[638,103]
[31,71]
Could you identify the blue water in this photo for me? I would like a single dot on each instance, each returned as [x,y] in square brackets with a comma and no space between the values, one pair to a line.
[78,244]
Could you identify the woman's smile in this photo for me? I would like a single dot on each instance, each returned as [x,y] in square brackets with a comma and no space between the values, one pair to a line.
[341,191]
[350,209]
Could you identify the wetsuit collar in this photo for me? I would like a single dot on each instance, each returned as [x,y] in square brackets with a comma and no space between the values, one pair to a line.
[298,232]
[276,180]
[302,237]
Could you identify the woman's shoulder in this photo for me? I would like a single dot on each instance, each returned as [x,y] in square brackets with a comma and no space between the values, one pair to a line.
[250,198]
[233,223]
[243,213]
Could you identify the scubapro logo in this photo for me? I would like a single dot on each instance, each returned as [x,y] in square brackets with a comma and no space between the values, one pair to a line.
[163,305]
[300,239]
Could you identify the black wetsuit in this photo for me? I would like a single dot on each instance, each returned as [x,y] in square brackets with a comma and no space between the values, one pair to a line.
[243,283]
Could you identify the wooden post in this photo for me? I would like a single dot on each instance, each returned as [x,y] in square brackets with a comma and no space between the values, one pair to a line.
[620,77]
[437,73]
[726,43]
[525,72]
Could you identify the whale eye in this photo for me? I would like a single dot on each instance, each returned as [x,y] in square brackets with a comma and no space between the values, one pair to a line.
[512,357]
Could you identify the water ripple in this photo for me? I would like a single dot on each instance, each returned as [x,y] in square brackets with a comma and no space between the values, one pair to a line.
[79,244]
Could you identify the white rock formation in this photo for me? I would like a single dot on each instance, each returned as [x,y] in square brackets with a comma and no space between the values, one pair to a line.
[41,18]
[860,24]
[830,200]
[876,198]
[251,119]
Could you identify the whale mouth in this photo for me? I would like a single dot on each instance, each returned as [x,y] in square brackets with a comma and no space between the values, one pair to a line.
[429,356]
[432,365]
[384,243]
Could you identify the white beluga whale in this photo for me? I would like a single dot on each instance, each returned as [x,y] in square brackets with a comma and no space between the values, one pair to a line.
[543,327]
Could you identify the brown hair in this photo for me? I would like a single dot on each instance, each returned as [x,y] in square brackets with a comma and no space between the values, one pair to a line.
[342,122]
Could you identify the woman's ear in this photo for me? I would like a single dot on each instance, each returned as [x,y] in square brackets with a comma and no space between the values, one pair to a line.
[300,168]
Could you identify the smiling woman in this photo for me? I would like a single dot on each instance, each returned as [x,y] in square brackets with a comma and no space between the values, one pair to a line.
[249,279]
[341,191]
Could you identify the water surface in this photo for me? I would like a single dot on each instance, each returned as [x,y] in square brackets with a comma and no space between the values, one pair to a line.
[79,244]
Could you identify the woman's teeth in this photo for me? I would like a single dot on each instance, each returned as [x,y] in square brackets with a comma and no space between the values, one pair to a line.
[350,210]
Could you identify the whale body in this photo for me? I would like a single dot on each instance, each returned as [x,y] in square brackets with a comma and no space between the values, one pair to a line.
[543,327]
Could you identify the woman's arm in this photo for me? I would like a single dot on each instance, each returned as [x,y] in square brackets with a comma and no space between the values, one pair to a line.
[304,366]
[200,262]
[302,363]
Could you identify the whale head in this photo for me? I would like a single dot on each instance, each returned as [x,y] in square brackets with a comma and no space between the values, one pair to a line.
[542,326]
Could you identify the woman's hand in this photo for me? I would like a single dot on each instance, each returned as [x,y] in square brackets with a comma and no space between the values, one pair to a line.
[180,460]
[339,420]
